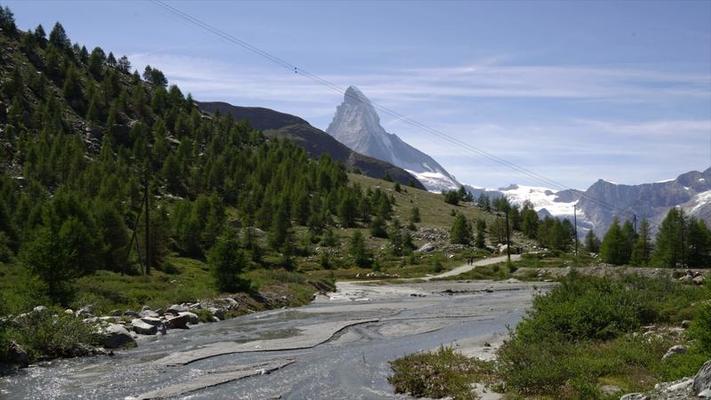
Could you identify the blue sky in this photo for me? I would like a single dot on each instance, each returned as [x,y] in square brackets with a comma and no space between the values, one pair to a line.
[574,91]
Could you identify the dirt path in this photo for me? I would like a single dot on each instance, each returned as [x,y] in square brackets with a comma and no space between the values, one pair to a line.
[468,267]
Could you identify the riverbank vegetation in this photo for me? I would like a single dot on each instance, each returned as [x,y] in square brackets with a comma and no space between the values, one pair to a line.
[589,333]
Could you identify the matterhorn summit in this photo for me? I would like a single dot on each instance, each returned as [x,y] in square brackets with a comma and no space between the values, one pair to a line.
[357,125]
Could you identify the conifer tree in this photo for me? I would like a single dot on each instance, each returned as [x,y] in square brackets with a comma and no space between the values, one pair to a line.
[669,248]
[415,215]
[279,232]
[461,232]
[58,37]
[529,220]
[480,240]
[377,228]
[613,249]
[592,243]
[358,250]
[227,261]
[698,243]
[642,250]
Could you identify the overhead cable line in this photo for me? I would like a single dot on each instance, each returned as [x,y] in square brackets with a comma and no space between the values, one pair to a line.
[324,82]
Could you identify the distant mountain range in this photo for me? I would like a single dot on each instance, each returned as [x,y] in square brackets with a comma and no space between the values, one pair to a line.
[604,200]
[356,138]
[357,125]
[315,141]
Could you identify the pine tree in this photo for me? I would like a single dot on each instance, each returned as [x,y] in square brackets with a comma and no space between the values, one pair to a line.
[227,261]
[461,231]
[698,243]
[358,251]
[592,243]
[642,250]
[669,249]
[415,215]
[58,37]
[630,238]
[347,211]
[529,220]
[480,240]
[279,232]
[377,228]
[483,202]
[613,249]
[96,63]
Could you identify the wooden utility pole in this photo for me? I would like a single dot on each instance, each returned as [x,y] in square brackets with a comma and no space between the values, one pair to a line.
[575,227]
[147,205]
[508,239]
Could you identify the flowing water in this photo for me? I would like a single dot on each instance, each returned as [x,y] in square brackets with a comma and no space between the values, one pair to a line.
[338,347]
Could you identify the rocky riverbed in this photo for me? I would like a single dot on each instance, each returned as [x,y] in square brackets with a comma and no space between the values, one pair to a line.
[337,347]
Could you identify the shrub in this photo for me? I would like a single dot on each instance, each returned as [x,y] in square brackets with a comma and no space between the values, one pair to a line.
[701,329]
[438,374]
[580,332]
[52,333]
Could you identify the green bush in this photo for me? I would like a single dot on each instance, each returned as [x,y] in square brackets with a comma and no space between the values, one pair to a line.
[701,329]
[438,374]
[581,332]
[51,333]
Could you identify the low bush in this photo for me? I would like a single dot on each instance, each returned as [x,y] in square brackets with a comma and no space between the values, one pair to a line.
[438,374]
[582,333]
[51,333]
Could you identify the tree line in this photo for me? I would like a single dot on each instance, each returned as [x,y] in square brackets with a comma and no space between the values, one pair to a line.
[85,138]
[680,241]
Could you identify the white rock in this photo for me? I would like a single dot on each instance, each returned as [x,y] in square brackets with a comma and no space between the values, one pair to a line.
[143,328]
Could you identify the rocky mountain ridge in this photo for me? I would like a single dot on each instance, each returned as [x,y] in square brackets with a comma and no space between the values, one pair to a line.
[357,125]
[315,141]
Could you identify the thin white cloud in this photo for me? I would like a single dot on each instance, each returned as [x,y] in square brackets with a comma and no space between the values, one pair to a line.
[442,98]
[484,80]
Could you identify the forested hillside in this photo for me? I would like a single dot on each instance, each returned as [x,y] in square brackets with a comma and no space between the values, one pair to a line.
[82,139]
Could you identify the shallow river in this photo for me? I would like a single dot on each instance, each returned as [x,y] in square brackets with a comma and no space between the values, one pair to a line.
[338,347]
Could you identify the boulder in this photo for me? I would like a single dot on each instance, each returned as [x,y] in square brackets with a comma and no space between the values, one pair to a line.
[85,312]
[217,312]
[148,314]
[177,309]
[609,390]
[179,322]
[679,389]
[192,317]
[698,280]
[131,313]
[702,380]
[152,321]
[685,324]
[426,248]
[17,355]
[115,336]
[678,349]
[231,303]
[39,309]
[634,396]
[143,328]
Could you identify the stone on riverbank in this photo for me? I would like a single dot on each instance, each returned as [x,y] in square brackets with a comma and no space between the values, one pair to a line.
[143,328]
[116,336]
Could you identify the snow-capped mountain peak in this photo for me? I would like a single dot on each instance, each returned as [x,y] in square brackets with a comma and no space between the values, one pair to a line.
[357,125]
